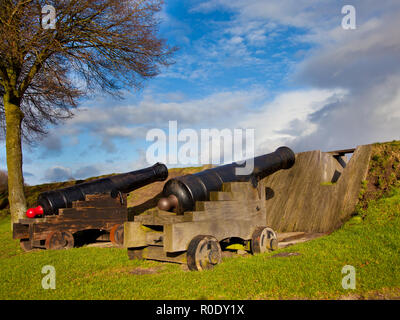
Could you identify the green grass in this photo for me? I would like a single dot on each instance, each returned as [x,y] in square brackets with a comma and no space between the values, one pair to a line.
[328,183]
[371,245]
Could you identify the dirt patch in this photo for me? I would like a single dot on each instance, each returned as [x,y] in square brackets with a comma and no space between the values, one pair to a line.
[381,294]
[383,172]
[300,238]
[285,254]
[384,294]
[351,297]
[141,271]
[102,244]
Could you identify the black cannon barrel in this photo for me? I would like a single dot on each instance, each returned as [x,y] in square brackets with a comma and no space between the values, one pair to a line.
[51,201]
[182,192]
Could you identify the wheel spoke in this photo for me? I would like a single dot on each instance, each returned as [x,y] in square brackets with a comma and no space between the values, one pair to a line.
[263,239]
[203,253]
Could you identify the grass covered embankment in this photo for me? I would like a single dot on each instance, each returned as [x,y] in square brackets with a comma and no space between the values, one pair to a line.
[371,245]
[370,242]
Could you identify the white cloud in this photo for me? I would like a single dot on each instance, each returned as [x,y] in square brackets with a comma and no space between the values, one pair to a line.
[364,63]
[288,117]
[310,14]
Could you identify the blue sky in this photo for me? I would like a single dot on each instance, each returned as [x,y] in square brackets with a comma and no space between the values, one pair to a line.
[286,69]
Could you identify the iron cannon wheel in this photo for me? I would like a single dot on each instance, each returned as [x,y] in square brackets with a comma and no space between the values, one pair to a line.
[57,240]
[117,235]
[263,239]
[204,252]
[26,244]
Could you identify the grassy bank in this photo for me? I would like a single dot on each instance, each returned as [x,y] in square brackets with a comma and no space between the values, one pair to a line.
[370,242]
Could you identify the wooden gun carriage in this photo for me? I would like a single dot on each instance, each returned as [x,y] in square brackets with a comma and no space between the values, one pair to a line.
[211,211]
[98,205]
[97,212]
[235,215]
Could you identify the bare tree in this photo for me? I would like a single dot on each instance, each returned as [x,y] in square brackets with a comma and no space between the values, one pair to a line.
[94,45]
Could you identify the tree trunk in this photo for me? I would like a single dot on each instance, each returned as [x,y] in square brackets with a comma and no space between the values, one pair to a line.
[16,196]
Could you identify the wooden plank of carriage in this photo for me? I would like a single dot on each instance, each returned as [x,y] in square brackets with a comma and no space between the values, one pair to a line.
[39,231]
[20,231]
[159,218]
[239,210]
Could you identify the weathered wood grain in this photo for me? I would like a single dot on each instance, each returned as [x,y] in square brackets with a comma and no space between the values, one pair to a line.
[226,196]
[305,200]
[39,231]
[245,210]
[155,238]
[134,234]
[137,235]
[20,231]
[233,205]
[158,220]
